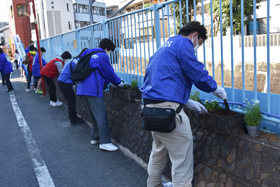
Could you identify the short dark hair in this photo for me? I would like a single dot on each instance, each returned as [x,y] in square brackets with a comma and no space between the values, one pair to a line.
[16,51]
[1,50]
[81,53]
[66,55]
[43,49]
[31,42]
[32,48]
[107,44]
[194,26]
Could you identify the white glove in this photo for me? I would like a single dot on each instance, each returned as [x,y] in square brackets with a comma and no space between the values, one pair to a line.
[194,105]
[220,93]
[121,84]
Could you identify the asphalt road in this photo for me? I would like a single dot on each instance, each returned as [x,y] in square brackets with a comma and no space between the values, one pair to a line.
[65,151]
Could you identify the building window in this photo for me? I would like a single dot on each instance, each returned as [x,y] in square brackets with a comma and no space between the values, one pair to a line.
[262,25]
[52,2]
[68,7]
[81,9]
[52,7]
[101,12]
[86,10]
[109,12]
[21,10]
[70,25]
[95,10]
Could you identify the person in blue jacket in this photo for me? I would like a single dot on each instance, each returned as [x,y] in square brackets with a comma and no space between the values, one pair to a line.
[92,90]
[170,74]
[36,71]
[6,68]
[31,43]
[65,84]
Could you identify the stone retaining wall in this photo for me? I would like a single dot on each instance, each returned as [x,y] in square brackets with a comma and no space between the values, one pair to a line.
[220,160]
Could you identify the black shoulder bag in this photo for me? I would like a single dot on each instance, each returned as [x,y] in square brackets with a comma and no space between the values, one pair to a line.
[159,119]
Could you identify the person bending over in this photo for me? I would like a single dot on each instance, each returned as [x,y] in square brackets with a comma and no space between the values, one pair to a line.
[50,71]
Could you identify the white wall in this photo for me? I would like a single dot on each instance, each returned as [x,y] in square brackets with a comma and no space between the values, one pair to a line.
[66,16]
[274,13]
[85,17]
[112,2]
[248,52]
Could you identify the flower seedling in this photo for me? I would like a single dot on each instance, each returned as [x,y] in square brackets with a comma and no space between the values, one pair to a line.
[134,84]
[212,105]
[253,115]
[195,96]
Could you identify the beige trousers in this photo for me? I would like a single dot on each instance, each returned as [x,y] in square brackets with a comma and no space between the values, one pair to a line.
[178,144]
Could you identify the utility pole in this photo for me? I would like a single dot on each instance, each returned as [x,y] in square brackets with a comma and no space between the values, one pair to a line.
[90,11]
[78,14]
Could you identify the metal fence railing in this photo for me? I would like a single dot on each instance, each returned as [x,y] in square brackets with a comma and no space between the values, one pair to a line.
[137,35]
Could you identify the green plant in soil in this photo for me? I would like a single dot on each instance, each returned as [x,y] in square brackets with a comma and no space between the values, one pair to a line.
[212,105]
[195,96]
[134,84]
[126,86]
[253,115]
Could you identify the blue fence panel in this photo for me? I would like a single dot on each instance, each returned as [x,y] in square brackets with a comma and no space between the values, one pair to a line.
[69,43]
[47,45]
[85,39]
[56,46]
[137,35]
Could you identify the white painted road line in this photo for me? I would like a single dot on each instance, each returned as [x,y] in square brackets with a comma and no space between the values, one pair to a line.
[40,169]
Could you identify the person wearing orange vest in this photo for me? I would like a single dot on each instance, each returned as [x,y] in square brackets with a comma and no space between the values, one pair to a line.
[50,71]
[29,62]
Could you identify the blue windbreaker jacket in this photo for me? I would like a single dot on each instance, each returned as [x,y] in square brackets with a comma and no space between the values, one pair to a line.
[172,71]
[65,75]
[104,70]
[5,64]
[36,66]
[27,50]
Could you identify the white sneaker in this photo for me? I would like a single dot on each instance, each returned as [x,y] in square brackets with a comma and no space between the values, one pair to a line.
[169,184]
[27,90]
[92,142]
[57,103]
[51,103]
[108,147]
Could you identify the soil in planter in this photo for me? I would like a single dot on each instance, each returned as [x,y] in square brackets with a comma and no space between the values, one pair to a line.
[128,89]
[222,112]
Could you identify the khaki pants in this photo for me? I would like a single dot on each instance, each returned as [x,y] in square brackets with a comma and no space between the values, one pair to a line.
[179,145]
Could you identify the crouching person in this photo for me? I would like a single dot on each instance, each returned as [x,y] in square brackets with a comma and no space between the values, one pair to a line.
[29,63]
[36,71]
[170,74]
[50,71]
[91,89]
[65,84]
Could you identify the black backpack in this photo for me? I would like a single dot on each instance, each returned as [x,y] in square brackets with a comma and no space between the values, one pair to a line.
[82,70]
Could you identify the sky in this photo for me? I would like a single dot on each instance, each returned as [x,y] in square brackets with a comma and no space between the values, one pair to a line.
[4,11]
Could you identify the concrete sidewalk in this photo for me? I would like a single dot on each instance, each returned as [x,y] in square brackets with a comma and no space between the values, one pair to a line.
[66,150]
